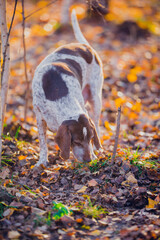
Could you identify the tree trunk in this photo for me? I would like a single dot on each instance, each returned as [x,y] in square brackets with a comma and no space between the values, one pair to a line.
[5,66]
[65,18]
[6,57]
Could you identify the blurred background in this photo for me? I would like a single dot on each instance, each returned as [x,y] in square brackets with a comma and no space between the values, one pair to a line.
[126,35]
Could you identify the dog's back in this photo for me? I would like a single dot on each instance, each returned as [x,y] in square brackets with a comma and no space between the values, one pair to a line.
[62,82]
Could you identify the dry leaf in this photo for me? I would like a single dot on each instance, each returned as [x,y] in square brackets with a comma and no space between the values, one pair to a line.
[92,183]
[82,190]
[13,235]
[5,173]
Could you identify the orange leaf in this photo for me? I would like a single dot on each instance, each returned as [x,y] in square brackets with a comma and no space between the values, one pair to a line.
[79,220]
[21,157]
[132,77]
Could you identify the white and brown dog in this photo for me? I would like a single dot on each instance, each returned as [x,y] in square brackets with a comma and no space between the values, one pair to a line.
[63,82]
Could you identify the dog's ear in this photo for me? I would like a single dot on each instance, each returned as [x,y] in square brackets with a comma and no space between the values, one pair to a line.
[63,139]
[96,139]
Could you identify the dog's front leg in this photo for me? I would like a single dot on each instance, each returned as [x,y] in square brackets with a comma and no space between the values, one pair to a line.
[42,128]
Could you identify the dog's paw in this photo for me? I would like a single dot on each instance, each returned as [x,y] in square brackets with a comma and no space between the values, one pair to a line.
[41,163]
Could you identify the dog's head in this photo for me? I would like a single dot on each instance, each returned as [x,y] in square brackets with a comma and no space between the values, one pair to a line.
[79,136]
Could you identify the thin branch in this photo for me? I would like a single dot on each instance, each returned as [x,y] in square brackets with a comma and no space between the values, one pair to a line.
[25,62]
[117,135]
[29,15]
[8,35]
[0,109]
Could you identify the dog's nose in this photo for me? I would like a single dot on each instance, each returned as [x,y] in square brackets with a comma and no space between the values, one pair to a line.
[87,159]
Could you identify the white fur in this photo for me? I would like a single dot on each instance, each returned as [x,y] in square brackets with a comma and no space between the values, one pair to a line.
[53,113]
[85,131]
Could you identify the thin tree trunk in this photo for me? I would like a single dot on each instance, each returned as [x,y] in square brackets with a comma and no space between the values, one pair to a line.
[0,108]
[25,63]
[65,18]
[6,58]
[5,67]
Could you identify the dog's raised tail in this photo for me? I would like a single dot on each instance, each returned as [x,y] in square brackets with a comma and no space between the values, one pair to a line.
[76,28]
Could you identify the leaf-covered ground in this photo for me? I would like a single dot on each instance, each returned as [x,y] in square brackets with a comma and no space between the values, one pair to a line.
[98,200]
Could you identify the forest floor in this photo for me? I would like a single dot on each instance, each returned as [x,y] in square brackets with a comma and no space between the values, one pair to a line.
[97,200]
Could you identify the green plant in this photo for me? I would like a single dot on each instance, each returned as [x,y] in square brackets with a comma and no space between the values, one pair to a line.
[7,137]
[22,144]
[96,164]
[59,210]
[17,132]
[6,161]
[48,219]
[91,210]
[2,208]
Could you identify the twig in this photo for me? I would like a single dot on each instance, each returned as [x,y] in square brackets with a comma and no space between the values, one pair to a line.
[29,15]
[25,62]
[6,46]
[0,108]
[117,135]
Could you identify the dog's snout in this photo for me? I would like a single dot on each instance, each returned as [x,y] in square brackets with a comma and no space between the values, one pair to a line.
[87,157]
[88,160]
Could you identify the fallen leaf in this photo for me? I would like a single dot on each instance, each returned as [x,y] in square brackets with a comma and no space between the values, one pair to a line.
[82,190]
[13,235]
[151,203]
[5,173]
[131,178]
[95,233]
[38,211]
[92,183]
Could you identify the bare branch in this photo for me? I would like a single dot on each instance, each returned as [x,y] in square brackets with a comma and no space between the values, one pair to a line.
[40,9]
[117,135]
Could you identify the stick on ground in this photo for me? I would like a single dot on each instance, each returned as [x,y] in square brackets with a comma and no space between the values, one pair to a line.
[117,135]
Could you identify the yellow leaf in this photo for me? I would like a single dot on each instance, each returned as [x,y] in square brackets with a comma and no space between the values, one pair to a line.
[136,107]
[82,190]
[107,126]
[132,77]
[133,115]
[119,102]
[136,70]
[106,137]
[151,203]
[95,233]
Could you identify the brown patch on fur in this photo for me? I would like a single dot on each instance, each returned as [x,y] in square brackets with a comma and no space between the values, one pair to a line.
[70,134]
[84,51]
[74,66]
[53,85]
[63,139]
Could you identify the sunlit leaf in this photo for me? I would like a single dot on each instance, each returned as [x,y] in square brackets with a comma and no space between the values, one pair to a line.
[132,77]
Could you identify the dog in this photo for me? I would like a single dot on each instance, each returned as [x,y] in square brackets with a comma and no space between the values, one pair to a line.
[62,84]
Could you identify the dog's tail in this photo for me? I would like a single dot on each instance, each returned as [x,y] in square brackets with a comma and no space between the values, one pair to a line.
[76,28]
